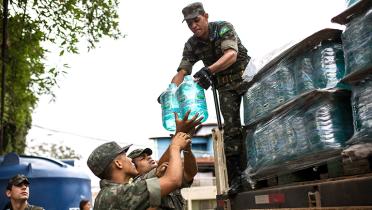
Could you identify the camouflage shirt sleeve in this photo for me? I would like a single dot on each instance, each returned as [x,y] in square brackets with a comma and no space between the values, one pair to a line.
[188,58]
[228,36]
[137,195]
[153,186]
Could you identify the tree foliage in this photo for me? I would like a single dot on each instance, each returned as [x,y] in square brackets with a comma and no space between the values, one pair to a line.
[52,150]
[35,26]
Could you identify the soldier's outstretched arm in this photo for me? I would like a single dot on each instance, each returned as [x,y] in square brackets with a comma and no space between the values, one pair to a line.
[178,78]
[182,125]
[172,178]
[190,165]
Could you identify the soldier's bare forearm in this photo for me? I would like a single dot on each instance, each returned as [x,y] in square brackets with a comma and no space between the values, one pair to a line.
[190,165]
[228,58]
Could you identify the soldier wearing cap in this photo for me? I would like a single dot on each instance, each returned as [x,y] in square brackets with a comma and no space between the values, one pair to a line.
[110,163]
[18,192]
[143,161]
[218,46]
[148,168]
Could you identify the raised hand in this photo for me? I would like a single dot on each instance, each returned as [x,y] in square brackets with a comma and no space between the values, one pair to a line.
[185,125]
[160,170]
[182,140]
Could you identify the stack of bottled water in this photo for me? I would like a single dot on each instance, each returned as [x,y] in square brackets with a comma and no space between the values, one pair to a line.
[319,68]
[272,91]
[357,42]
[321,124]
[188,96]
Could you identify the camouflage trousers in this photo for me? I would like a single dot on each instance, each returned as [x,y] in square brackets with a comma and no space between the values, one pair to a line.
[230,96]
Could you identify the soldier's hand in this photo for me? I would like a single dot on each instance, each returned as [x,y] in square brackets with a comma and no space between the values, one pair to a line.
[204,78]
[160,170]
[185,125]
[181,140]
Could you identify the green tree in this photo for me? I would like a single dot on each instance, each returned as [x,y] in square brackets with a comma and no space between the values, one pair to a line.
[33,25]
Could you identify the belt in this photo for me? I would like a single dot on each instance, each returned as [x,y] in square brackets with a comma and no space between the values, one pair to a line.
[221,80]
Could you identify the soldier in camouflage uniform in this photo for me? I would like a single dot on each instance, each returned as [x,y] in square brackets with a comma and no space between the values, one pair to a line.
[148,168]
[110,163]
[18,191]
[225,58]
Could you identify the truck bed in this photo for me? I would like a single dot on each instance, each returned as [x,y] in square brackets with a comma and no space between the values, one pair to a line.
[351,192]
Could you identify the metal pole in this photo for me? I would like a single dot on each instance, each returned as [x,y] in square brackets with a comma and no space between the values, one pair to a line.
[223,202]
[217,107]
[4,56]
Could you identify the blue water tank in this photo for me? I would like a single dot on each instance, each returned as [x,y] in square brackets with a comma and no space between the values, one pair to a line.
[54,185]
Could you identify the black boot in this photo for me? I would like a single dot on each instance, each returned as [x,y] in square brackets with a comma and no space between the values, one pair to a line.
[234,175]
[235,187]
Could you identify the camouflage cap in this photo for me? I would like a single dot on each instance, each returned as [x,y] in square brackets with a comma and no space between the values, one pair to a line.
[191,11]
[103,155]
[16,180]
[138,152]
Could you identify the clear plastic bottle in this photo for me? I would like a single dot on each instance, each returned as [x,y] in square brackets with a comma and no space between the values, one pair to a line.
[304,74]
[169,105]
[191,97]
[350,3]
[328,61]
[286,84]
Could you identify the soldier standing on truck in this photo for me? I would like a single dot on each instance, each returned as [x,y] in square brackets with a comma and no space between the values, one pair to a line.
[225,59]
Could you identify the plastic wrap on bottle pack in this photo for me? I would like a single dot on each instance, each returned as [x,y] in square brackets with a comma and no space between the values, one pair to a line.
[318,68]
[361,102]
[357,42]
[319,123]
[305,73]
[249,71]
[265,95]
[329,64]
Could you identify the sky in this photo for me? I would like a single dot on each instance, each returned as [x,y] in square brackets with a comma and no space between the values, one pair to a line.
[109,93]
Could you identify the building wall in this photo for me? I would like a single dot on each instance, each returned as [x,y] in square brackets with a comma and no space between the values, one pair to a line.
[201,146]
[200,198]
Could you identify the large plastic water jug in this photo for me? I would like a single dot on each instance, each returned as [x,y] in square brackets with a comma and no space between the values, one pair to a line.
[169,105]
[191,97]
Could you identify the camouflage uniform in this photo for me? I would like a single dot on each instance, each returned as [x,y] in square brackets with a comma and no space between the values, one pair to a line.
[173,200]
[229,83]
[16,180]
[32,207]
[29,207]
[137,195]
[115,196]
